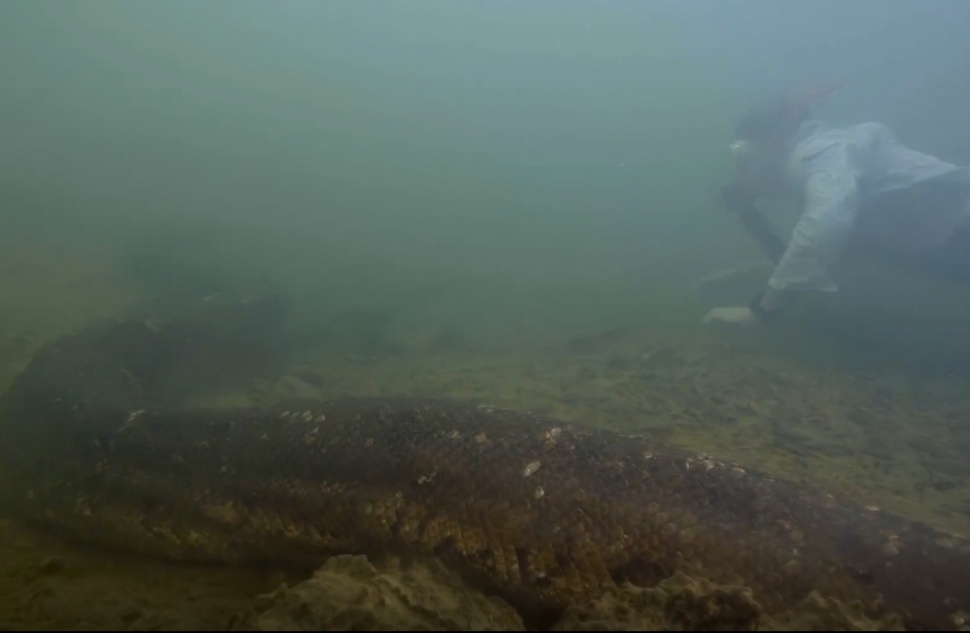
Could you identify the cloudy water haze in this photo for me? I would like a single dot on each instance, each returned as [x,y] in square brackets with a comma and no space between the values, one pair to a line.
[526,165]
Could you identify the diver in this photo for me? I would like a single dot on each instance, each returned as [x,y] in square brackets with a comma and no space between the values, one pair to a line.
[860,191]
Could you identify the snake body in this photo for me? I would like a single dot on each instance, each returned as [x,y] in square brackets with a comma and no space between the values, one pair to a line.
[542,512]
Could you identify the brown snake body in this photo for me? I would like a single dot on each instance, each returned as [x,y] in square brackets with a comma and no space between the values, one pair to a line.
[541,512]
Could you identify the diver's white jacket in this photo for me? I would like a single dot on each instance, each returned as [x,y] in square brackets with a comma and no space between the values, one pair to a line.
[859,182]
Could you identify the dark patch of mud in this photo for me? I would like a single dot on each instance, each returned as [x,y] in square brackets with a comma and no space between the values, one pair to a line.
[46,584]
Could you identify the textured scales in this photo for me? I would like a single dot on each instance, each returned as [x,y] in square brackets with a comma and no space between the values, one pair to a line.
[542,512]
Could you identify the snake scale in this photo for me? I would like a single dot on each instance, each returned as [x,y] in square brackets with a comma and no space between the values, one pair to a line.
[539,511]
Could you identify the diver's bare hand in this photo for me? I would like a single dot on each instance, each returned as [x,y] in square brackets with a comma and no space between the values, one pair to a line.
[737,316]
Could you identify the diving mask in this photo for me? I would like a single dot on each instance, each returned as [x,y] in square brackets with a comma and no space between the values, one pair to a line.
[754,160]
[739,148]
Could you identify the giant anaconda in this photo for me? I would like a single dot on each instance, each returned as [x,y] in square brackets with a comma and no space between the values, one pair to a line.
[539,511]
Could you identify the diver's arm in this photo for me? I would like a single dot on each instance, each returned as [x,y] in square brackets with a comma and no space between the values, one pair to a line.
[818,241]
[741,203]
[770,302]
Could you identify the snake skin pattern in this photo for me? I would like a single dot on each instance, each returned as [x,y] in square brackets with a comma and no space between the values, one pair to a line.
[541,512]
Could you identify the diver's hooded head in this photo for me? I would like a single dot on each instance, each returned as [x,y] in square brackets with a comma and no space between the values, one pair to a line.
[771,121]
[763,133]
